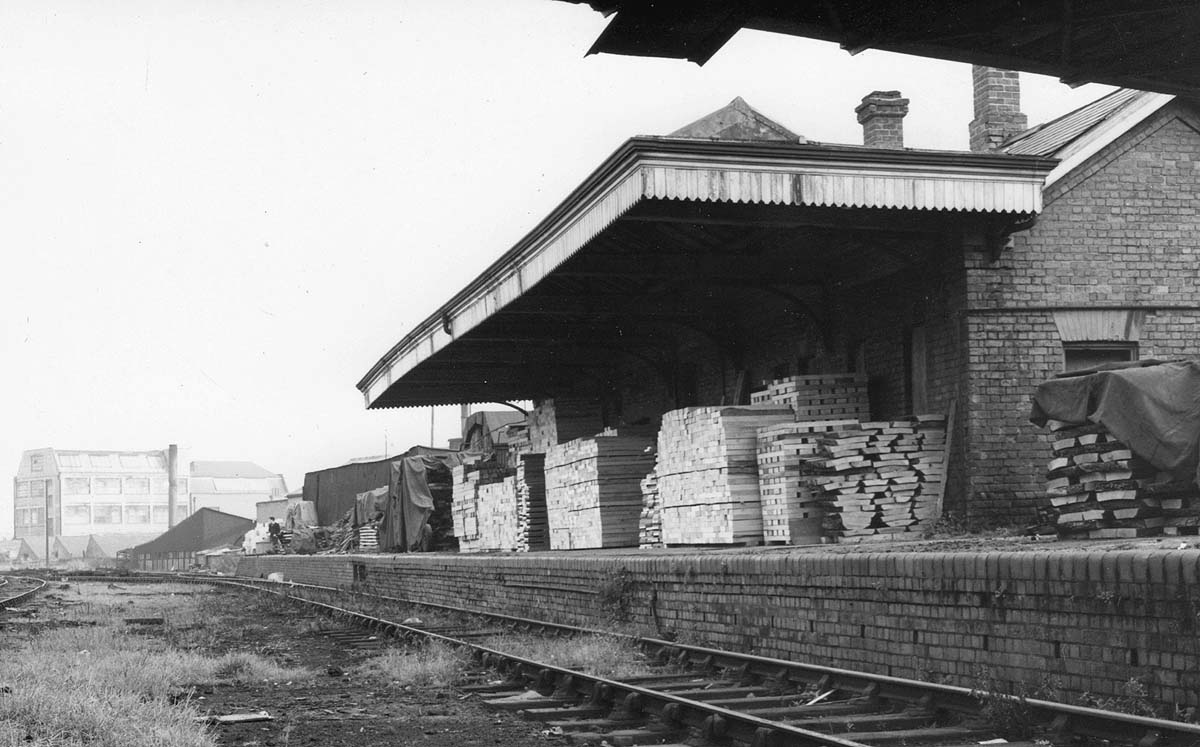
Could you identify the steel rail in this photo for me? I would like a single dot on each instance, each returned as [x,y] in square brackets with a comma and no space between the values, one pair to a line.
[1059,718]
[20,597]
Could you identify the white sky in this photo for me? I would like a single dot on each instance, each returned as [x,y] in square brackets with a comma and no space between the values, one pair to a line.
[216,216]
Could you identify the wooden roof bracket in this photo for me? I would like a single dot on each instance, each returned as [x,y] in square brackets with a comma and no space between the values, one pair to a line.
[999,236]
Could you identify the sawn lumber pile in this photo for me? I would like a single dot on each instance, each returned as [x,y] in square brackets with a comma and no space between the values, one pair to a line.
[790,512]
[880,479]
[708,473]
[593,490]
[1098,488]
[484,508]
[533,529]
[650,522]
[819,396]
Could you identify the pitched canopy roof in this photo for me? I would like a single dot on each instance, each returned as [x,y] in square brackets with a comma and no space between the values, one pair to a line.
[1133,43]
[206,529]
[698,215]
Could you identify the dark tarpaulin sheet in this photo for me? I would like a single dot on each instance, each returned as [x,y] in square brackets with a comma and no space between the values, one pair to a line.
[409,500]
[1154,410]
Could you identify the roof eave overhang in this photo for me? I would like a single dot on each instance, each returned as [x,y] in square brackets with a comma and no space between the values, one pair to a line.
[766,173]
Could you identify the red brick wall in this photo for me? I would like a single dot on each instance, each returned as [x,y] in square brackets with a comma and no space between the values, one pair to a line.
[1119,232]
[1091,621]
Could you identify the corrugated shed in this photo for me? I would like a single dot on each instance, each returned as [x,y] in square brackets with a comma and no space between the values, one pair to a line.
[1050,138]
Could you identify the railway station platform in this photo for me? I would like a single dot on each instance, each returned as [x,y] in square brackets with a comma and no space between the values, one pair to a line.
[1101,618]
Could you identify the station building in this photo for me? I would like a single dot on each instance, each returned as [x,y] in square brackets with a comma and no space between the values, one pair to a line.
[694,268]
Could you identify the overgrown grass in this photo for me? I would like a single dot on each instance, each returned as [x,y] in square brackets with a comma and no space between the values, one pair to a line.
[601,655]
[103,683]
[433,665]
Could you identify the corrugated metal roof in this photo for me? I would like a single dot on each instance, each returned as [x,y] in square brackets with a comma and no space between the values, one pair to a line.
[1050,138]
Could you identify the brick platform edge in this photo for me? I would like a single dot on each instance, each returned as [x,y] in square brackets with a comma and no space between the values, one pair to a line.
[1088,622]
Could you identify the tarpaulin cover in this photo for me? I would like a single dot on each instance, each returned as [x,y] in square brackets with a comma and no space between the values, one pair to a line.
[409,500]
[1154,410]
[369,504]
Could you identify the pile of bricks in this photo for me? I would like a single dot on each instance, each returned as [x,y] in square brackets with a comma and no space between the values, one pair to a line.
[1098,488]
[880,479]
[819,396]
[593,491]
[708,473]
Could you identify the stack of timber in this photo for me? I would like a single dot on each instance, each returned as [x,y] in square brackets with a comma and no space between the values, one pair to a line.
[708,473]
[533,528]
[593,490]
[880,479]
[484,508]
[368,538]
[791,512]
[820,396]
[650,523]
[1099,489]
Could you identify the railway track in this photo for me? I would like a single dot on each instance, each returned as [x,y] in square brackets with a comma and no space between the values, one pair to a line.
[16,590]
[727,697]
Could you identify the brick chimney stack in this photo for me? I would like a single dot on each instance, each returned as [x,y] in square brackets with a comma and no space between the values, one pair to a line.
[997,108]
[881,114]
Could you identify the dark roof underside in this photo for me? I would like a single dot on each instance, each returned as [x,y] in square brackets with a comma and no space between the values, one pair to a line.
[1131,43]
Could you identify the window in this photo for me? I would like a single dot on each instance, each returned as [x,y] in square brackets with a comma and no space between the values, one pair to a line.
[156,461]
[107,485]
[159,514]
[77,486]
[137,486]
[36,462]
[160,487]
[100,460]
[29,517]
[70,460]
[137,514]
[77,514]
[106,513]
[133,461]
[1079,356]
[22,490]
[37,489]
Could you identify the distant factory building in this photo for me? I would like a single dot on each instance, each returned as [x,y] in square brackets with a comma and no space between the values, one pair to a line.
[129,494]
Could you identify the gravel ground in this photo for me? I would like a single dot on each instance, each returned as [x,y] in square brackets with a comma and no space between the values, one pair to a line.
[338,707]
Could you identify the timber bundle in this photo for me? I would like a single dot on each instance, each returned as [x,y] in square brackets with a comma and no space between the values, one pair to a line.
[1099,489]
[790,511]
[819,396]
[708,473]
[650,522]
[484,507]
[593,490]
[879,479]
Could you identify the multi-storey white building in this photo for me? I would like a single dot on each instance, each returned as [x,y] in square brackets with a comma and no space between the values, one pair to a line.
[126,493]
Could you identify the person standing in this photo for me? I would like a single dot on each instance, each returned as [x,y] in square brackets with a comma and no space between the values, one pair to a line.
[276,534]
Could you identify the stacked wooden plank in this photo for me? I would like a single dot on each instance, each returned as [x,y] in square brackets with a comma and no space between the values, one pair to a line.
[820,396]
[1099,489]
[650,522]
[484,508]
[708,473]
[533,529]
[593,491]
[791,511]
[880,479]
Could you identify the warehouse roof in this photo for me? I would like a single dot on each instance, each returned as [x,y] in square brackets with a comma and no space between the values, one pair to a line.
[206,529]
[1132,43]
[666,209]
[230,469]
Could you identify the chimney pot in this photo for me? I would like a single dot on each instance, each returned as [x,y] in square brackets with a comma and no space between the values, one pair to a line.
[881,114]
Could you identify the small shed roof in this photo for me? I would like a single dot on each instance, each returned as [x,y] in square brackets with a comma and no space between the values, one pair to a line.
[230,469]
[76,546]
[206,529]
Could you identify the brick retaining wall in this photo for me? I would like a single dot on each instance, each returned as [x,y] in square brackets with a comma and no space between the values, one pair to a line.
[1092,621]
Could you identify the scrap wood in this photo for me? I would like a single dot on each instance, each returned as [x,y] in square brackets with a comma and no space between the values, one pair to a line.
[237,718]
